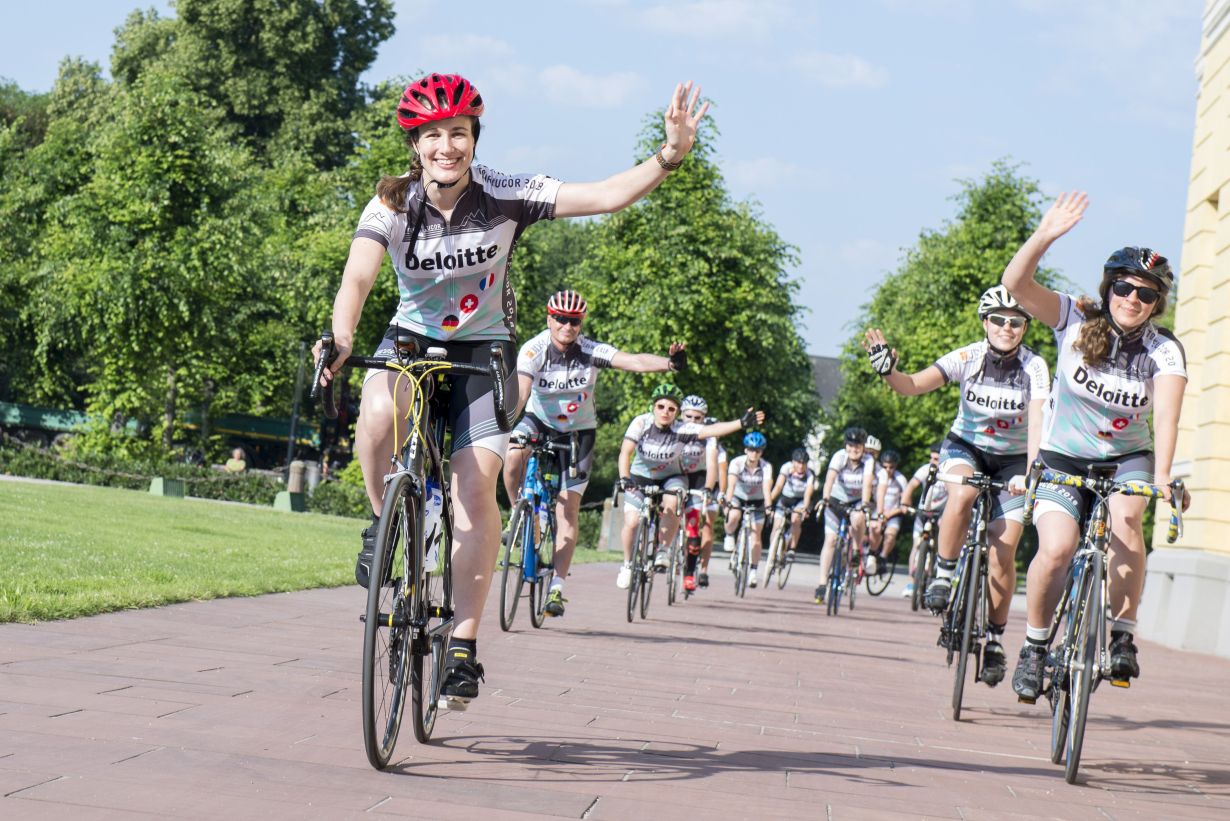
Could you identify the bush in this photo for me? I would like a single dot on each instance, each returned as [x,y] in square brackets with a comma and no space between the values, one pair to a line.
[339,498]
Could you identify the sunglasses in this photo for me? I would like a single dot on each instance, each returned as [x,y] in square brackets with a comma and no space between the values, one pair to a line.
[1123,288]
[574,321]
[1013,322]
[666,406]
[693,417]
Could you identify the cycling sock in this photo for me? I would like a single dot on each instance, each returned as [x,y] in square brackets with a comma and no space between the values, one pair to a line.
[690,564]
[1037,636]
[729,543]
[464,644]
[557,583]
[995,631]
[945,568]
[1123,626]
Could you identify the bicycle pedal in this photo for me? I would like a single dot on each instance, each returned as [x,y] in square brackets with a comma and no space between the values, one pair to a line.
[454,703]
[1024,700]
[1121,682]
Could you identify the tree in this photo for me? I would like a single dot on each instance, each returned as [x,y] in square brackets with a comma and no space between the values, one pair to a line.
[689,263]
[285,72]
[927,307]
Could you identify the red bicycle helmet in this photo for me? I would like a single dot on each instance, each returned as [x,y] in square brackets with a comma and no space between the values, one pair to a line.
[438,97]
[567,303]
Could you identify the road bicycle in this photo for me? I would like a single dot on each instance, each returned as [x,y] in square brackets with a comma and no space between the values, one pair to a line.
[644,548]
[781,558]
[409,615]
[1081,660]
[528,555]
[741,559]
[846,563]
[965,620]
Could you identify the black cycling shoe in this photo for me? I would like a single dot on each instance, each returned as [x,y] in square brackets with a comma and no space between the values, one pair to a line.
[994,664]
[461,677]
[363,564]
[703,580]
[555,603]
[820,591]
[1123,663]
[936,597]
[1027,680]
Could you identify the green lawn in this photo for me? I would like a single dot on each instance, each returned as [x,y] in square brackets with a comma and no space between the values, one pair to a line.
[74,550]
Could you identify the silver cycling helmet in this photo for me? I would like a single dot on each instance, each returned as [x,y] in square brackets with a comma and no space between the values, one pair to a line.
[694,402]
[997,298]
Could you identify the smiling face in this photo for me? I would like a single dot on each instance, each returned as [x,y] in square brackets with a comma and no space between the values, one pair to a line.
[564,330]
[999,330]
[854,452]
[1129,311]
[446,148]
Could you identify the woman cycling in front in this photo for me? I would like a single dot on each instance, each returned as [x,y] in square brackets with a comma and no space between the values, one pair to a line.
[1115,367]
[1003,388]
[449,226]
[556,374]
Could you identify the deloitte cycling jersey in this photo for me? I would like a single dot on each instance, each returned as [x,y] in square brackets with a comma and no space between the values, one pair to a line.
[453,280]
[795,485]
[995,395]
[895,488]
[692,457]
[749,481]
[657,450]
[937,496]
[1102,411]
[850,475]
[562,392]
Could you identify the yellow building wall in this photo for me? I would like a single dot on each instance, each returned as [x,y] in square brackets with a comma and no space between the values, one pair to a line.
[1202,319]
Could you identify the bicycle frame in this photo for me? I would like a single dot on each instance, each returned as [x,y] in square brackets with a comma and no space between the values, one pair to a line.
[540,493]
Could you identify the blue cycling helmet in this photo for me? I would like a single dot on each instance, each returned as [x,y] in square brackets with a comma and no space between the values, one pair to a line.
[755,439]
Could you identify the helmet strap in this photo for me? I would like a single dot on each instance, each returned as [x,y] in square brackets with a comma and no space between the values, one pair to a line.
[998,355]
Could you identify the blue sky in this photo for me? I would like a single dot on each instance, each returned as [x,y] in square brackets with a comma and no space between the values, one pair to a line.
[847,122]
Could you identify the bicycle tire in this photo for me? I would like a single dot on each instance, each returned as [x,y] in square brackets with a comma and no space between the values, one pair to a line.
[1085,673]
[512,574]
[854,572]
[1060,696]
[736,560]
[745,561]
[923,563]
[634,585]
[877,584]
[783,571]
[837,569]
[674,568]
[431,606]
[386,649]
[544,561]
[968,607]
[776,550]
[647,574]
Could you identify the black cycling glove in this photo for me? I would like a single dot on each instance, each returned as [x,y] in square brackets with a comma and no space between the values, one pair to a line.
[882,359]
[679,360]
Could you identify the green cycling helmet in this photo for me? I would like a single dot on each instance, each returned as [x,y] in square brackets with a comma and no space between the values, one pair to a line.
[667,390]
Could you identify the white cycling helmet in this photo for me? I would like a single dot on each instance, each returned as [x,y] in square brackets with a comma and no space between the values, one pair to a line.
[567,303]
[873,443]
[997,298]
[694,402]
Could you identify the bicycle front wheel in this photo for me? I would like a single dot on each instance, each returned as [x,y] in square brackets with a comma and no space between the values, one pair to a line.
[785,562]
[968,606]
[922,572]
[512,574]
[638,562]
[837,572]
[386,627]
[745,559]
[883,577]
[544,562]
[675,569]
[1086,662]
[647,571]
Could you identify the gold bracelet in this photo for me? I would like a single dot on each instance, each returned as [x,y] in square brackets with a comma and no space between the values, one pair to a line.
[666,166]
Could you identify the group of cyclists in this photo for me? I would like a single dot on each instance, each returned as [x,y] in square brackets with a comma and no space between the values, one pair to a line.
[449,226]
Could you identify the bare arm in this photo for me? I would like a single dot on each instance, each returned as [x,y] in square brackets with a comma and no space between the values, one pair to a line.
[868,479]
[907,498]
[640,362]
[881,492]
[622,189]
[362,267]
[711,467]
[777,489]
[1034,437]
[625,458]
[1167,404]
[829,479]
[911,384]
[524,383]
[1018,278]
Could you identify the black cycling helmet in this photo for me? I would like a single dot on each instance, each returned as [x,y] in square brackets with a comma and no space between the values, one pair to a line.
[855,436]
[891,456]
[937,447]
[1141,262]
[799,455]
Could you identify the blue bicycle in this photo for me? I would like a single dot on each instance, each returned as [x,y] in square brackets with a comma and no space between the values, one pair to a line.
[529,547]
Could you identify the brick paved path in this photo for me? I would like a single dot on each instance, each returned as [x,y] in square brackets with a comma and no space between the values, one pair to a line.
[760,708]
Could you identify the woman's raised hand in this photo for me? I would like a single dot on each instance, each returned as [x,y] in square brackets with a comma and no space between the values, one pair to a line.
[1062,215]
[681,120]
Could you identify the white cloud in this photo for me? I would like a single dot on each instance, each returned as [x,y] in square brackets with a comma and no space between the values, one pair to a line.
[840,70]
[716,18]
[567,84]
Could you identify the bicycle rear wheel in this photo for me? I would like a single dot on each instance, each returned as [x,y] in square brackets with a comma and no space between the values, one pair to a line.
[1086,662]
[970,581]
[386,628]
[513,576]
[544,562]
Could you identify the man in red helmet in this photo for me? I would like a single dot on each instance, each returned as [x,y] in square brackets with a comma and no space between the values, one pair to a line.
[556,374]
[449,226]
